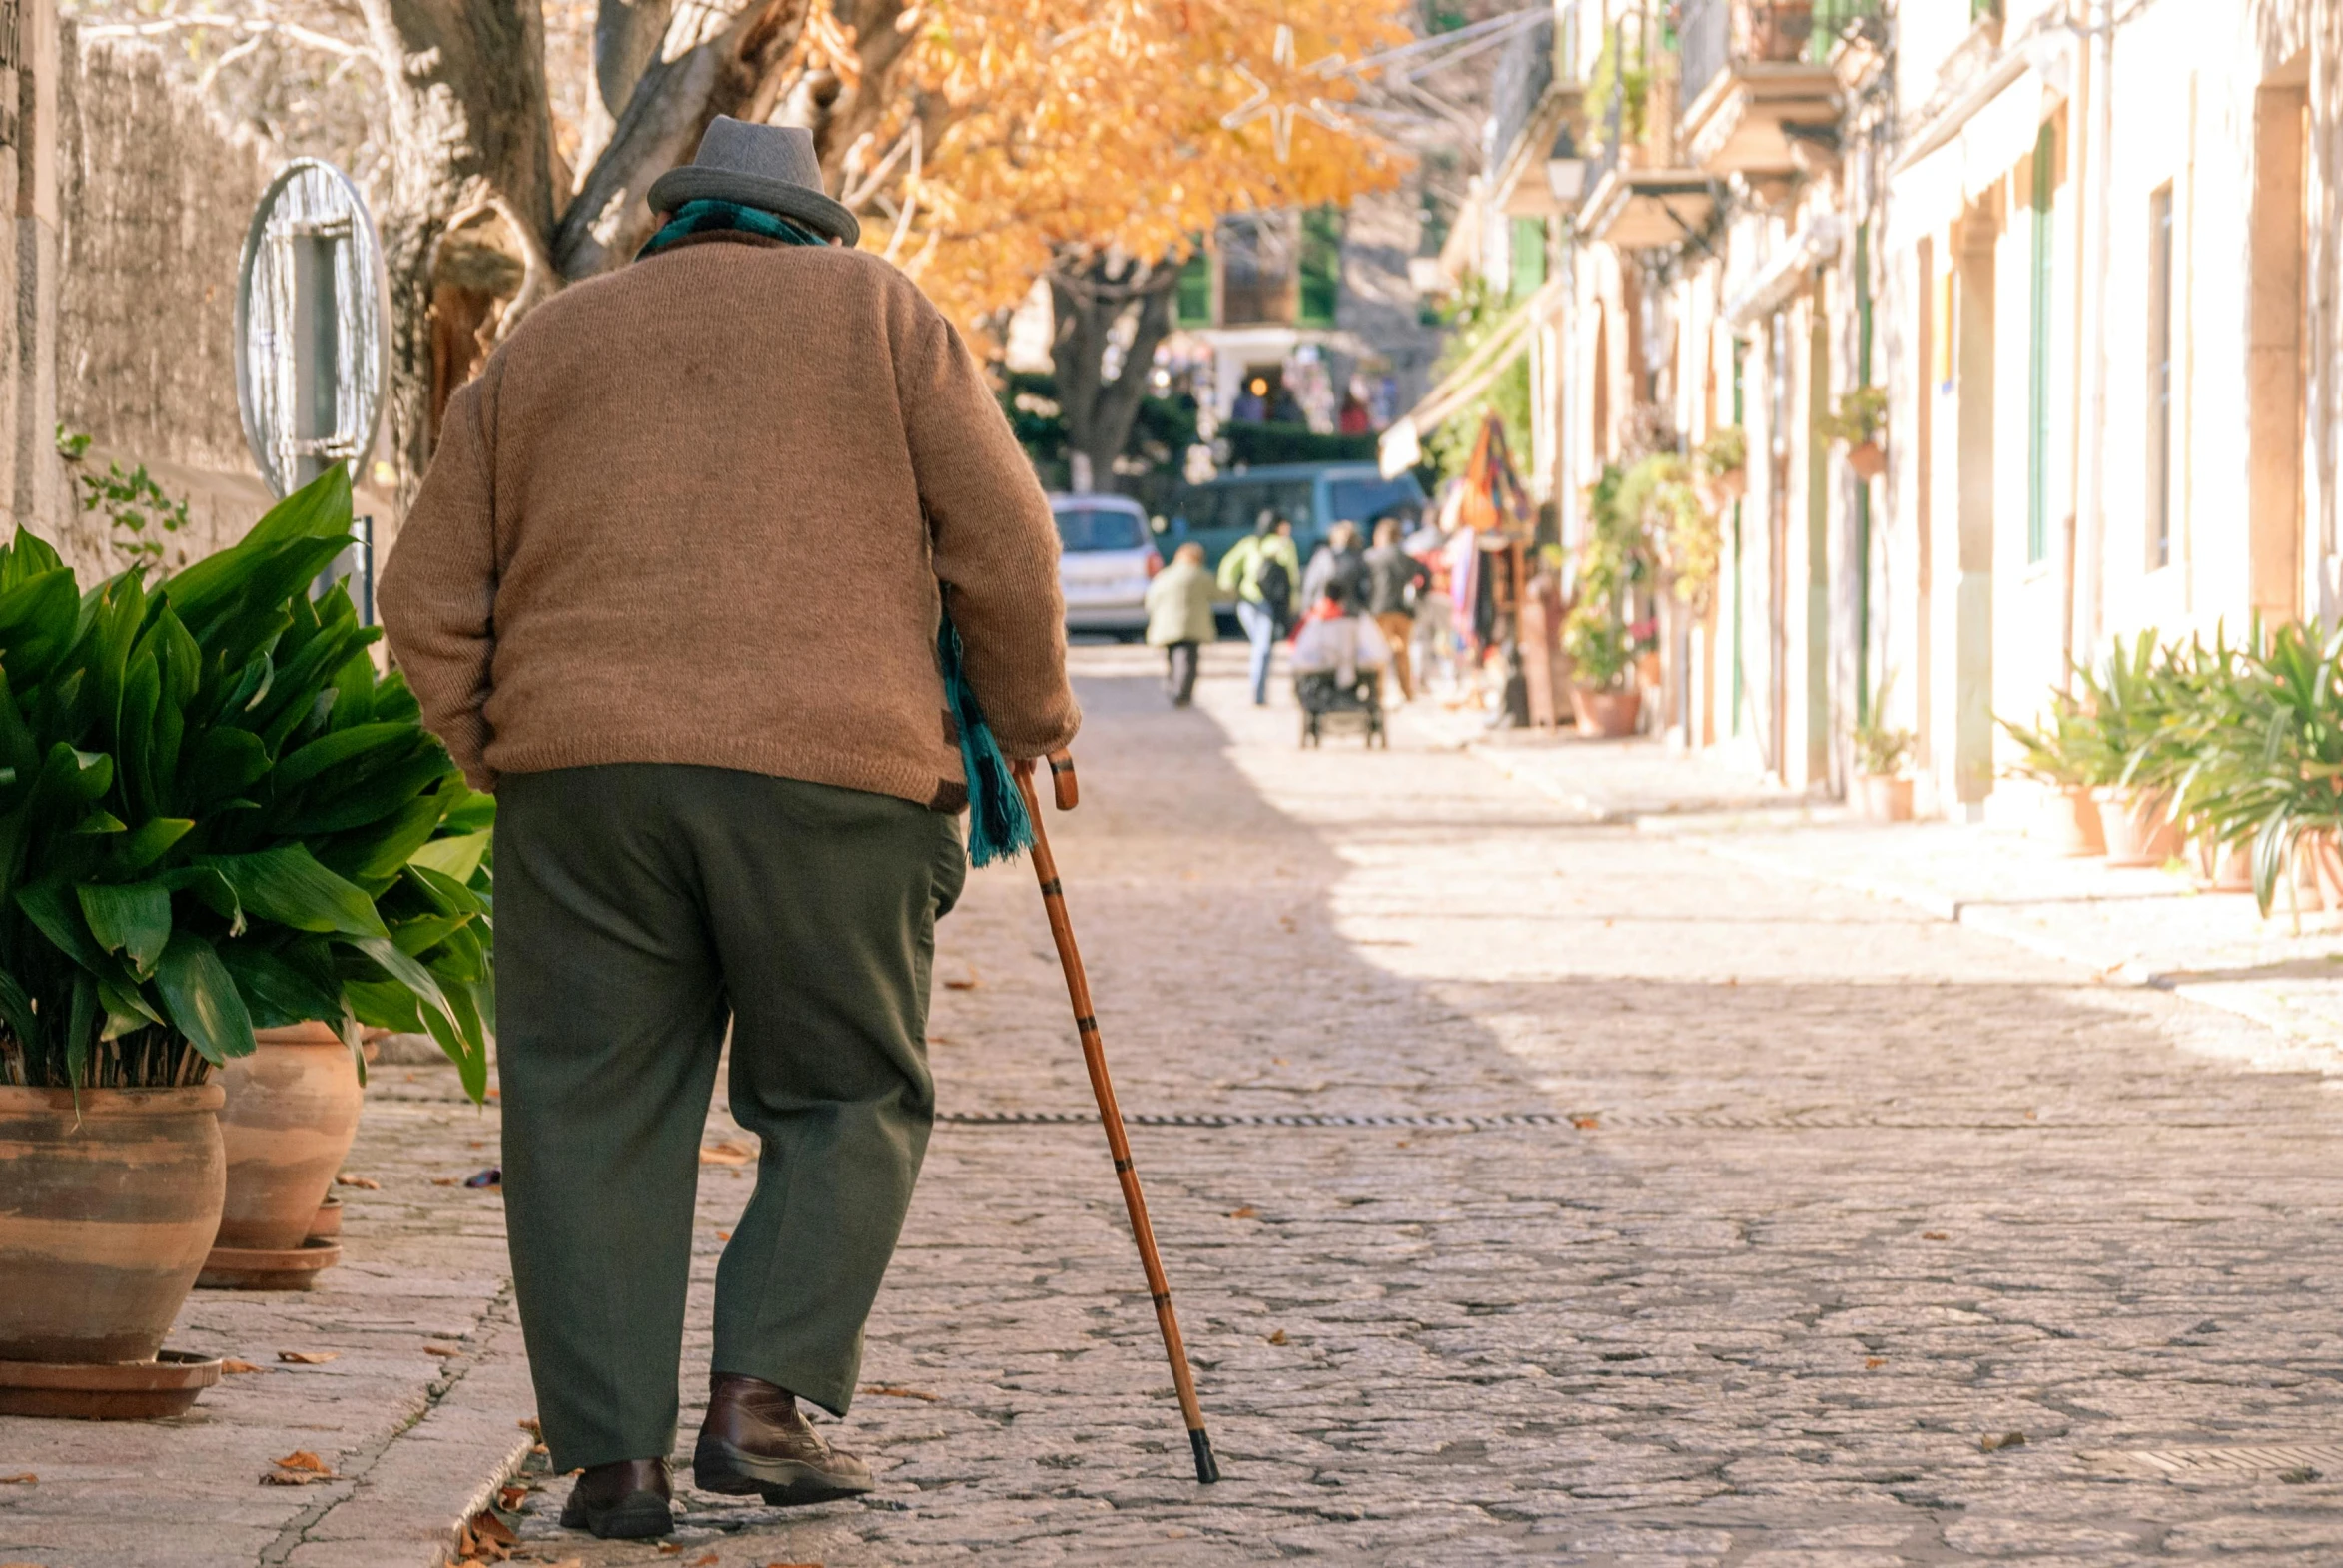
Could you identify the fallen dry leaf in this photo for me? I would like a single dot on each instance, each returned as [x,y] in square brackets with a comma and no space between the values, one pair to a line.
[1933,1235]
[704,1560]
[367,1183]
[290,1479]
[671,1549]
[510,1498]
[890,1391]
[723,1236]
[1584,1123]
[447,1180]
[728,1152]
[26,1479]
[233,1365]
[1246,1212]
[487,1537]
[942,1040]
[303,1459]
[967,982]
[308,1358]
[540,1448]
[529,1424]
[1872,1363]
[2006,1440]
[1279,1337]
[441,1350]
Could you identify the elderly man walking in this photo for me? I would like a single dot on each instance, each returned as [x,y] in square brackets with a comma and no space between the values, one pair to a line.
[723,803]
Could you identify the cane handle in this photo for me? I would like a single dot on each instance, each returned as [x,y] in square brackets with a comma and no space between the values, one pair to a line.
[1061,780]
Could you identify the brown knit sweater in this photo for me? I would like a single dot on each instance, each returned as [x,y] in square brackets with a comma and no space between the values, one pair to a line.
[696,512]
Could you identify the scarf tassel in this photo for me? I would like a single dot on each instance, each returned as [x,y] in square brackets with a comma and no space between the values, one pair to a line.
[997,826]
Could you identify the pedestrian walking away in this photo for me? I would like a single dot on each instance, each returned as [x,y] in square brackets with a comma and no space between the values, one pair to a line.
[1179,619]
[715,812]
[1340,559]
[1265,572]
[1395,581]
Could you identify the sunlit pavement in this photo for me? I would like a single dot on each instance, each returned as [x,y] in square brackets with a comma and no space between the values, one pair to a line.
[1788,1209]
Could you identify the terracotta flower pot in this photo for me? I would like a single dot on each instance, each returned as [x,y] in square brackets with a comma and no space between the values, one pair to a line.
[2071,822]
[291,1112]
[1606,716]
[1867,459]
[108,1212]
[2133,823]
[1886,797]
[2224,868]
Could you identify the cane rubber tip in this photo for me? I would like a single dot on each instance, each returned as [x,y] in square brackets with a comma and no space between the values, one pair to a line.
[1207,1470]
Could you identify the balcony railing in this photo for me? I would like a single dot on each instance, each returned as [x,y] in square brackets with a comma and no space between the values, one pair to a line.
[1712,34]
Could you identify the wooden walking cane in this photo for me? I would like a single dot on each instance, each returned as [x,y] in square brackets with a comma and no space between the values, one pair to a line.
[1094,1055]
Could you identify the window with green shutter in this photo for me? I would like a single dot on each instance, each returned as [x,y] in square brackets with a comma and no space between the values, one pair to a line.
[1528,260]
[1194,308]
[1321,265]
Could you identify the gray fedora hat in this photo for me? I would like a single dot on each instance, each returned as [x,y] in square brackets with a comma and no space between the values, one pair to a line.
[767,166]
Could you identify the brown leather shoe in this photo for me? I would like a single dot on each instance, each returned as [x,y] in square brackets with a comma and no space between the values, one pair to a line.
[624,1500]
[755,1440]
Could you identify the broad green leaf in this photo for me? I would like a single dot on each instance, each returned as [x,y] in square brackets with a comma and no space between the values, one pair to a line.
[457,857]
[415,937]
[52,907]
[81,1029]
[129,918]
[149,842]
[209,888]
[127,1009]
[370,854]
[16,1010]
[288,885]
[223,761]
[340,746]
[278,990]
[201,999]
[99,822]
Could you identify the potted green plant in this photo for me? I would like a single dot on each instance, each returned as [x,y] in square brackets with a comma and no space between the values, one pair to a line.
[2125,702]
[2061,755]
[1720,463]
[1861,415]
[1596,636]
[2272,768]
[1879,754]
[211,813]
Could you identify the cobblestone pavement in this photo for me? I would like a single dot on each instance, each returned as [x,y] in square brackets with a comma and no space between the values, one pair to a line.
[1824,1194]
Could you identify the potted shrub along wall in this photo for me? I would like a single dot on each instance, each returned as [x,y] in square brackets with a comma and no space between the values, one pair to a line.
[1858,421]
[1880,755]
[2054,757]
[213,817]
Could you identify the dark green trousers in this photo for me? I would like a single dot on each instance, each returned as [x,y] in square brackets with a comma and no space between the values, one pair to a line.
[639,909]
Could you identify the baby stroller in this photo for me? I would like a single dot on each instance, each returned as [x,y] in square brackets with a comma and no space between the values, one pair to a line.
[1324,698]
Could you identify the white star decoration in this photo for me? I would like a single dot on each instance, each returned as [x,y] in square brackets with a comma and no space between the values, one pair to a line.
[1280,112]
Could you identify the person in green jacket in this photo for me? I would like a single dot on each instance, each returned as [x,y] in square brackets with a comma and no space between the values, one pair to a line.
[1265,572]
[1179,619]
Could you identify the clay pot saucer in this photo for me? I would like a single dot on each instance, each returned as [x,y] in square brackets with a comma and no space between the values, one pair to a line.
[106,1391]
[267,1268]
[327,1224]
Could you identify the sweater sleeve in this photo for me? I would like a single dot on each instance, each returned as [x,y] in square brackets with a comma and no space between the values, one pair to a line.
[438,588]
[994,541]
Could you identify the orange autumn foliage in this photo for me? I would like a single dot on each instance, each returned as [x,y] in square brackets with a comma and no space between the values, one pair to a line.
[1081,127]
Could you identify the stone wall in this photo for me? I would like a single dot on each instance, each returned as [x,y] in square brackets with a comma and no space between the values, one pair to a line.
[153,198]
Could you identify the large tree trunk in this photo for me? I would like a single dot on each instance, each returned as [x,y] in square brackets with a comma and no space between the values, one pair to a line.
[735,59]
[1089,299]
[473,134]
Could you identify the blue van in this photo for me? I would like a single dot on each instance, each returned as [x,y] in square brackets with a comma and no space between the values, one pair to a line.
[1316,495]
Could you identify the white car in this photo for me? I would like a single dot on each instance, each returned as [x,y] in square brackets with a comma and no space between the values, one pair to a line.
[1105,557]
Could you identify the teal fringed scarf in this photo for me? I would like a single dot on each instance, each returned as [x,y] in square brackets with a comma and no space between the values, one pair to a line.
[997,821]
[997,826]
[711,217]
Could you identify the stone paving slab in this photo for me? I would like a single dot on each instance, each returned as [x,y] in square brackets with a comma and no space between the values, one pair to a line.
[423,1265]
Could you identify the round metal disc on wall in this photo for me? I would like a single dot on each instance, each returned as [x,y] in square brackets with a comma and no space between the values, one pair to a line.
[313,325]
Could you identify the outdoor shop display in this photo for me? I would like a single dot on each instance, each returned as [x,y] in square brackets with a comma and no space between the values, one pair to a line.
[1067,793]
[219,821]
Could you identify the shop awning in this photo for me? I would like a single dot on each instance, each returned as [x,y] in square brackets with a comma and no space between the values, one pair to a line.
[1401,445]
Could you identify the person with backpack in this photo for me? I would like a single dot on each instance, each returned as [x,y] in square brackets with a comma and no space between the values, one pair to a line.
[1264,572]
